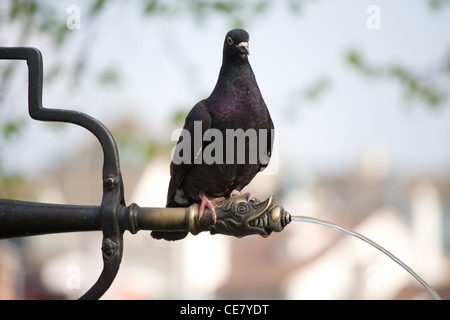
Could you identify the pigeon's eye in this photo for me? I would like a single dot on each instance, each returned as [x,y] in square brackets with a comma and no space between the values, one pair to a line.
[229,41]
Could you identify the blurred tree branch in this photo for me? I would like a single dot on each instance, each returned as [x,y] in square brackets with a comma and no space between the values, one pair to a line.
[430,87]
[438,4]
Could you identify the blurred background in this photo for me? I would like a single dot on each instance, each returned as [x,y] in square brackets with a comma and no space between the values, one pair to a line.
[359,94]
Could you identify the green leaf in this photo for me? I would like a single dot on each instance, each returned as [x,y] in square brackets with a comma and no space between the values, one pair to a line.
[109,76]
[13,127]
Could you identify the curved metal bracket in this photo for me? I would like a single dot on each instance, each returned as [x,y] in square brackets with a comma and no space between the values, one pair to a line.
[113,196]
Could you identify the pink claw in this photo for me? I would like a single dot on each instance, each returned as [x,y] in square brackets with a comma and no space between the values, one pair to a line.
[238,193]
[208,204]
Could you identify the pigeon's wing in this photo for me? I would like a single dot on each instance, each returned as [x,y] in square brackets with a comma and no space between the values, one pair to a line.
[183,159]
[188,147]
[267,154]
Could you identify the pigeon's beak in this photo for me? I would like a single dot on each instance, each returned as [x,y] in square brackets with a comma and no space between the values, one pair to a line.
[243,46]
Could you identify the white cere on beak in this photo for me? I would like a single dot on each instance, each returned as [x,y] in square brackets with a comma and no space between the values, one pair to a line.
[244,47]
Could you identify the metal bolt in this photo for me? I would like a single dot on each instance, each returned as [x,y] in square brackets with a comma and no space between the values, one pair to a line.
[110,182]
[109,248]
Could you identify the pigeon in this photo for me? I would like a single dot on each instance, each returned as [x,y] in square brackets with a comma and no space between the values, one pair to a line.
[234,106]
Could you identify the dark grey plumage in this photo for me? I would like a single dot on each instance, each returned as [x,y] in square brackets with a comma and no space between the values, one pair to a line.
[235,103]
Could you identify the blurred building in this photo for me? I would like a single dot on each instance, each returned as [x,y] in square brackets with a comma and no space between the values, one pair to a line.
[406,217]
[305,261]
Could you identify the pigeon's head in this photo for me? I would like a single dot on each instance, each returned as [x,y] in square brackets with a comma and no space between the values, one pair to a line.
[236,44]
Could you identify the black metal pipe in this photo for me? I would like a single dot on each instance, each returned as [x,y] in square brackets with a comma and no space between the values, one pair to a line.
[22,218]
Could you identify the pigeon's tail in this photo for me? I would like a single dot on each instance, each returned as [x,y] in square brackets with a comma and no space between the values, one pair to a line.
[168,235]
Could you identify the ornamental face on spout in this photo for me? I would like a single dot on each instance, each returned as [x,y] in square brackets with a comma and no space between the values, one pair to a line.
[240,216]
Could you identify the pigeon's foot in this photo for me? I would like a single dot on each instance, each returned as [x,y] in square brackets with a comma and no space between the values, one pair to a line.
[208,204]
[235,192]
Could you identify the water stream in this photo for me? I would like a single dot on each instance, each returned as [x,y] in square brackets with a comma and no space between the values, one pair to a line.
[372,243]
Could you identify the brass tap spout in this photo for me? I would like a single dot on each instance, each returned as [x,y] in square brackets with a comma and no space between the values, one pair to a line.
[236,216]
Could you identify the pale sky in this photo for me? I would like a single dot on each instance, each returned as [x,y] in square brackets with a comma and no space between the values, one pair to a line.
[170,64]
